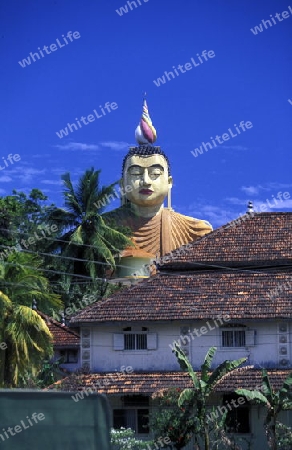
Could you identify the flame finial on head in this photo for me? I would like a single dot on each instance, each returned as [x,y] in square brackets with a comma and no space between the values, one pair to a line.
[145,132]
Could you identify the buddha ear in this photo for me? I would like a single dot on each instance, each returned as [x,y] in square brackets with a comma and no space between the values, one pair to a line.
[170,182]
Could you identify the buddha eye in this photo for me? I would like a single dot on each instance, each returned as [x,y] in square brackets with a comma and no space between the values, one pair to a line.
[135,171]
[155,172]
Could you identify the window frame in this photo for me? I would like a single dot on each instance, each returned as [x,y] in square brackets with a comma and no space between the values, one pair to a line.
[233,330]
[137,337]
[150,341]
[250,336]
[139,412]
[67,351]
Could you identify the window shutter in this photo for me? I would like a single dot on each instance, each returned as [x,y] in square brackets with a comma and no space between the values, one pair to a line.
[249,337]
[118,341]
[151,341]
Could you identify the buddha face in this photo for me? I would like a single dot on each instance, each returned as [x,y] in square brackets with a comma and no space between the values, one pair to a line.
[148,177]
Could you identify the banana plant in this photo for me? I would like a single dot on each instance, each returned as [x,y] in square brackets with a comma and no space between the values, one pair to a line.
[274,401]
[204,386]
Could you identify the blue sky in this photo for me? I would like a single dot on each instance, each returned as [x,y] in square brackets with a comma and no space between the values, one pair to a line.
[116,59]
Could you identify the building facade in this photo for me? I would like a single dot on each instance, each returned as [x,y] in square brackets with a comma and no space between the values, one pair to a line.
[231,289]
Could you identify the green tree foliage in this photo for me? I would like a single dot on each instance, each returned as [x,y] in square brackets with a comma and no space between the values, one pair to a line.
[48,374]
[8,208]
[284,436]
[27,337]
[90,243]
[169,419]
[274,401]
[22,280]
[203,387]
[25,217]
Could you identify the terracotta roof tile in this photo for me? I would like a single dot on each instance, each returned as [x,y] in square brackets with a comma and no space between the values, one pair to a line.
[204,295]
[234,285]
[258,237]
[150,382]
[62,335]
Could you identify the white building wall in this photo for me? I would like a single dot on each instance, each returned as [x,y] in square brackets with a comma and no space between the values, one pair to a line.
[105,358]
[270,338]
[264,352]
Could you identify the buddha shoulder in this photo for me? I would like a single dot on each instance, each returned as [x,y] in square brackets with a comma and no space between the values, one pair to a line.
[190,222]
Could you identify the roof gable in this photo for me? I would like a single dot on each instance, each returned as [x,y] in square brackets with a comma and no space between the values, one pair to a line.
[62,336]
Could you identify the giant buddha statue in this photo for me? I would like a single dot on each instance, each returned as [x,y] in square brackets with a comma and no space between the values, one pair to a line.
[146,183]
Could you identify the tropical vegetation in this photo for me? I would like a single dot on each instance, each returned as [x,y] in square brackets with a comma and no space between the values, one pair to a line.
[124,439]
[196,399]
[275,401]
[52,257]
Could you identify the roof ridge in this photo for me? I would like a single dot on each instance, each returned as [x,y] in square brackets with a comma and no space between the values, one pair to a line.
[58,324]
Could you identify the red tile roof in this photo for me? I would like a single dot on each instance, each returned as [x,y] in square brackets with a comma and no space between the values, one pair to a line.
[150,382]
[258,237]
[62,335]
[250,278]
[205,295]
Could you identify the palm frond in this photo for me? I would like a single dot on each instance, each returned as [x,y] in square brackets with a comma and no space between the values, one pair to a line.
[71,201]
[77,236]
[29,341]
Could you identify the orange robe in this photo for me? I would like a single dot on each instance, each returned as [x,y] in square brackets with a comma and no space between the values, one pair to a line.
[162,233]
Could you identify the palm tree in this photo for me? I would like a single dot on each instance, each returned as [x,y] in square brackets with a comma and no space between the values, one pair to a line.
[203,387]
[88,239]
[22,280]
[274,401]
[26,335]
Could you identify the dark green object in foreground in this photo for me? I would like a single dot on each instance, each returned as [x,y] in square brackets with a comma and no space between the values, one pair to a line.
[36,420]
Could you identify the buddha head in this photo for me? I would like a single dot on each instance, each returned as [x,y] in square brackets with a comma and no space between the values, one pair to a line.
[146,178]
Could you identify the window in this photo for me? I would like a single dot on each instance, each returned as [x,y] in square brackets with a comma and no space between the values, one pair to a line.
[237,419]
[135,340]
[233,338]
[134,415]
[69,356]
[237,335]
